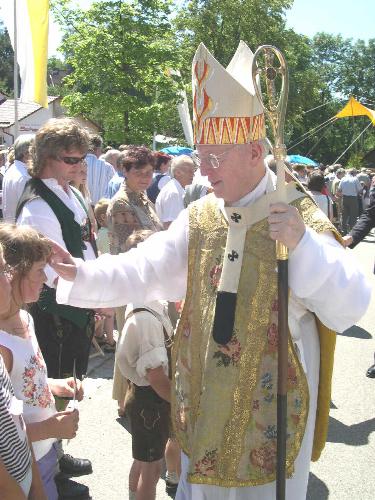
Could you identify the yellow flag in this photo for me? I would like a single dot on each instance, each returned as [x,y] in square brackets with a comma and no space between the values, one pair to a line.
[32,46]
[355,108]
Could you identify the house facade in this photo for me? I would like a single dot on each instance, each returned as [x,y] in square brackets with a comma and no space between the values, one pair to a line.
[31,117]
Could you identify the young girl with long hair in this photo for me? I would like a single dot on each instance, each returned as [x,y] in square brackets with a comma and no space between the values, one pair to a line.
[26,253]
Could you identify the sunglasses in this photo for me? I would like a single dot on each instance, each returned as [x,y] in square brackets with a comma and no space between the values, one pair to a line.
[72,160]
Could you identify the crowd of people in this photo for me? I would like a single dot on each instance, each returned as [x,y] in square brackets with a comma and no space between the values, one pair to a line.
[342,194]
[49,184]
[151,256]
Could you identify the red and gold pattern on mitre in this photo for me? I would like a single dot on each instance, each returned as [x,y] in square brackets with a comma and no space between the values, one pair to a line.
[225,107]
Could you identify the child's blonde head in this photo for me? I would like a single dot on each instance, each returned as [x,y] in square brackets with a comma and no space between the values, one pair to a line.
[22,247]
[100,210]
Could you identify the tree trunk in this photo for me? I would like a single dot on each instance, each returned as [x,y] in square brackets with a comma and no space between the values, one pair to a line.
[126,127]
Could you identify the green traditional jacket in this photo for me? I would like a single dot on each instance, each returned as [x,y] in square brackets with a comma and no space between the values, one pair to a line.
[72,235]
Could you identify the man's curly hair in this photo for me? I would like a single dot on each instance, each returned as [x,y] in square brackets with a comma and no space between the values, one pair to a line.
[54,137]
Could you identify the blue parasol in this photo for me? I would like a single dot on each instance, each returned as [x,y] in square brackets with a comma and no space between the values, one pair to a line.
[177,150]
[301,159]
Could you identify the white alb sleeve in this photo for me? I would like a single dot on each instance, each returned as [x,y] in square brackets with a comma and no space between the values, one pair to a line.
[155,270]
[329,281]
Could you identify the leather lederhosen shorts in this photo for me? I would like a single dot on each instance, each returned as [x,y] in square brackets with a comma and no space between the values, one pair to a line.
[62,342]
[149,416]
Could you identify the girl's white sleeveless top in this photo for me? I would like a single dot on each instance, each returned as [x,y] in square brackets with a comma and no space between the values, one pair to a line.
[30,382]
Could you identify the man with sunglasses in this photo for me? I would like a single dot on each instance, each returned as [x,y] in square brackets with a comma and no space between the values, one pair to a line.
[219,254]
[51,206]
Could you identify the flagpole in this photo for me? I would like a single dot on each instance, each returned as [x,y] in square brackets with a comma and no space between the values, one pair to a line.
[15,73]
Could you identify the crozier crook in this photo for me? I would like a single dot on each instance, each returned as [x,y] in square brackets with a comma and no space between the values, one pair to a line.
[275,112]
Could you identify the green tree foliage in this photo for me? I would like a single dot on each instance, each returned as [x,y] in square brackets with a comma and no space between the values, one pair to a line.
[345,68]
[6,58]
[121,54]
[221,24]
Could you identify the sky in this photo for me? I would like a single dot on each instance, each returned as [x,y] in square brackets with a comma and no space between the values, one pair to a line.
[350,18]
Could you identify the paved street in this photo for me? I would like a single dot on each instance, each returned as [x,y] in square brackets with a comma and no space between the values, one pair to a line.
[346,468]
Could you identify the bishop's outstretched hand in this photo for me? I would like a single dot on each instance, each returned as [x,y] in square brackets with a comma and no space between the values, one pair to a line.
[62,262]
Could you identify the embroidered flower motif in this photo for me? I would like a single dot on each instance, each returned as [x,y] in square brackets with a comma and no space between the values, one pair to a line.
[44,398]
[29,389]
[29,373]
[181,410]
[268,398]
[292,377]
[228,354]
[270,432]
[264,458]
[295,419]
[275,306]
[266,381]
[215,273]
[206,466]
[35,387]
[181,419]
[272,337]
[40,359]
[297,404]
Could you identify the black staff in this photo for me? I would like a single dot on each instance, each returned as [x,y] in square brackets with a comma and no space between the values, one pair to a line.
[276,113]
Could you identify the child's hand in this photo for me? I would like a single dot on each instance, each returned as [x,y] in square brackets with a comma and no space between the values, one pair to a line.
[64,424]
[64,388]
[79,387]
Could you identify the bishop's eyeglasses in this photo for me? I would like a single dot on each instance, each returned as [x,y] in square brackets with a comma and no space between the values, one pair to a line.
[213,159]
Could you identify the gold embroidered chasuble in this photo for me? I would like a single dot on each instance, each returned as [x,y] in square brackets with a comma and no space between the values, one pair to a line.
[224,403]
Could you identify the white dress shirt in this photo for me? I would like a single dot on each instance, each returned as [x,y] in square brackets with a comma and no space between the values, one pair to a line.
[38,214]
[163,181]
[350,185]
[99,173]
[170,201]
[142,343]
[14,182]
[324,202]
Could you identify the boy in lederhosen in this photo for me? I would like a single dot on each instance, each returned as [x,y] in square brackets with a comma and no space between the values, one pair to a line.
[143,357]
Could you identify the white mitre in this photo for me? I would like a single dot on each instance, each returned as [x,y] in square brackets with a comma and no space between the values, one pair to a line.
[225,107]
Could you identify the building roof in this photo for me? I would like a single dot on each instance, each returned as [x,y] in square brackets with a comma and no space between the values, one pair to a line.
[24,109]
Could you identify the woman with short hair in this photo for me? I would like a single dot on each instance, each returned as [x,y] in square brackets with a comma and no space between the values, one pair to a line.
[130,210]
